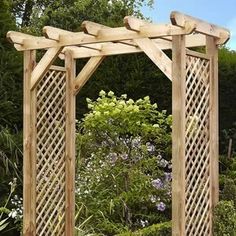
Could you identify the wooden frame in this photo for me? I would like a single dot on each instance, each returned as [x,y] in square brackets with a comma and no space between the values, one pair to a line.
[49,115]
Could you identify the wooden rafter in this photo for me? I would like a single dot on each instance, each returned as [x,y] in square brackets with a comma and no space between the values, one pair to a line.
[92,28]
[135,24]
[109,49]
[134,29]
[156,55]
[104,35]
[203,27]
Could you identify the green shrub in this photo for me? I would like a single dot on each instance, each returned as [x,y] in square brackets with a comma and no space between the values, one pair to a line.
[162,229]
[229,191]
[225,219]
[124,168]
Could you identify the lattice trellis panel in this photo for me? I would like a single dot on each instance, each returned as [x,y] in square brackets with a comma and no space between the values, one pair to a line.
[197,150]
[50,157]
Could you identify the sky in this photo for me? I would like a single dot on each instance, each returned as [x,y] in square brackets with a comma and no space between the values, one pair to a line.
[222,13]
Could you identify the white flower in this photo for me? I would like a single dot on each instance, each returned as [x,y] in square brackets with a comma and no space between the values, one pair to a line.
[13,214]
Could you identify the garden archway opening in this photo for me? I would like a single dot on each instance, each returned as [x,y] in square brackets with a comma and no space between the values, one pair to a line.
[49,114]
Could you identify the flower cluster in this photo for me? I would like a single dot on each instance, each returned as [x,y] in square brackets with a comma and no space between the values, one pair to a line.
[17,210]
[161,206]
[157,183]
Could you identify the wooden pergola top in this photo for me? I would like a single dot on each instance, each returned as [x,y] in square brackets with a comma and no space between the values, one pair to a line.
[101,40]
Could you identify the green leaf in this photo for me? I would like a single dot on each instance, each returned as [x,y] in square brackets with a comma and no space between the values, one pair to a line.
[3,225]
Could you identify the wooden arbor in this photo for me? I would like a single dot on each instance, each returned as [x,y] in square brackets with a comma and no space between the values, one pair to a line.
[49,115]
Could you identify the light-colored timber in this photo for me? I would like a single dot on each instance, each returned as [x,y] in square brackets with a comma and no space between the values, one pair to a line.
[212,51]
[70,66]
[44,64]
[49,114]
[201,26]
[178,135]
[29,147]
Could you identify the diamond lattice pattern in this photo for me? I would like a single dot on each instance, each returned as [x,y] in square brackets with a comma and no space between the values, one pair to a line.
[197,167]
[50,159]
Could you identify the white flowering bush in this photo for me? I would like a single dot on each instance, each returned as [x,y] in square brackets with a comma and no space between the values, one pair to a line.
[11,213]
[124,169]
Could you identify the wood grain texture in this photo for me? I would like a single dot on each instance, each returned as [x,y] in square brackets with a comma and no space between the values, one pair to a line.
[70,144]
[44,64]
[178,136]
[212,51]
[29,147]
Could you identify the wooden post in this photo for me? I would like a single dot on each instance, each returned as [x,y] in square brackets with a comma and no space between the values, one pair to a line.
[29,166]
[70,144]
[212,51]
[178,136]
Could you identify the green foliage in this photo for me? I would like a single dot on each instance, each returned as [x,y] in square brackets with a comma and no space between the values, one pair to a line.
[225,219]
[11,218]
[33,15]
[10,73]
[162,229]
[228,167]
[123,169]
[227,88]
[226,135]
[229,191]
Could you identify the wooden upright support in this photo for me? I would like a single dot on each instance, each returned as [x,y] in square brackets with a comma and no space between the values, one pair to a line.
[212,51]
[29,165]
[178,136]
[70,144]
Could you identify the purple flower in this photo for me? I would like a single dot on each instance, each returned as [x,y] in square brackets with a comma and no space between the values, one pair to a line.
[161,206]
[157,183]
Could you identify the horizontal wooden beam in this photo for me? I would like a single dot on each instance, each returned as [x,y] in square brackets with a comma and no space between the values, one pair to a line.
[54,33]
[197,54]
[87,72]
[92,28]
[18,37]
[144,27]
[104,35]
[134,23]
[109,49]
[160,59]
[203,27]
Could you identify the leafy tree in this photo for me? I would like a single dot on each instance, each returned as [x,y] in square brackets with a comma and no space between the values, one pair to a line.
[123,168]
[69,14]
[227,95]
[10,73]
[10,112]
